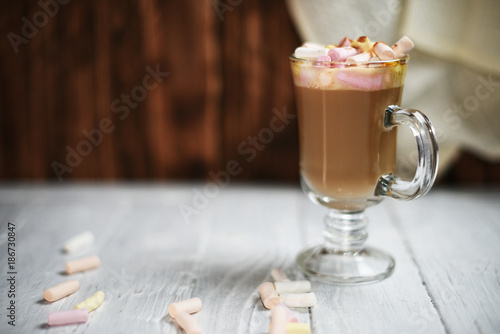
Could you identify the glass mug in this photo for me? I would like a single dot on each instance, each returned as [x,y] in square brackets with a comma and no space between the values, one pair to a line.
[348,118]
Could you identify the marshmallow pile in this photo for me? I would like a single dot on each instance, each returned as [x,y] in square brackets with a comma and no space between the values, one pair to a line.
[354,64]
[281,295]
[354,51]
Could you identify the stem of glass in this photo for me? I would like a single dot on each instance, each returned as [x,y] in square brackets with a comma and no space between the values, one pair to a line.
[345,230]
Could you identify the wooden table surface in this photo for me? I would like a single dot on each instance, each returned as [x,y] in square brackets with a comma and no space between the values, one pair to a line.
[446,246]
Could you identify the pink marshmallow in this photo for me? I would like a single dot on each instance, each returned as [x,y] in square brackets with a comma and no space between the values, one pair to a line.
[323,58]
[345,42]
[360,57]
[68,317]
[341,54]
[278,275]
[383,51]
[357,79]
[402,47]
[291,317]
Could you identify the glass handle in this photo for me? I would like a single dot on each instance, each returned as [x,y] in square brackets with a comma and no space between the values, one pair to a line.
[428,157]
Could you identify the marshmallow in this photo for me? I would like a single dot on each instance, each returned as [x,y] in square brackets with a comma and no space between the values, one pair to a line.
[313,45]
[345,42]
[341,54]
[360,79]
[363,44]
[331,46]
[192,305]
[289,314]
[360,57]
[61,290]
[268,295]
[67,317]
[79,242]
[383,51]
[302,52]
[278,320]
[402,47]
[292,287]
[83,264]
[374,59]
[292,328]
[323,58]
[278,275]
[299,299]
[188,323]
[91,303]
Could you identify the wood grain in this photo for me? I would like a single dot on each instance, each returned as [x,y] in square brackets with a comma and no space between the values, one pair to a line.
[445,246]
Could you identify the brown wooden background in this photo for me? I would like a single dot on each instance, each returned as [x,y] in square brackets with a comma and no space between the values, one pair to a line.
[226,76]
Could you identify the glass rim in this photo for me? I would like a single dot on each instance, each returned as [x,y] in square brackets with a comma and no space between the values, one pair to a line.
[401,60]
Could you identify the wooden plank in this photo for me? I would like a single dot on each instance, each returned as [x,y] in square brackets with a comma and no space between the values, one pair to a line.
[384,307]
[454,238]
[151,257]
[248,232]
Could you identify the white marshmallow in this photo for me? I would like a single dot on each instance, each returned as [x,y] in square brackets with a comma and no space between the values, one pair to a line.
[341,54]
[360,57]
[299,299]
[302,52]
[312,45]
[79,242]
[278,320]
[292,287]
[383,51]
[402,47]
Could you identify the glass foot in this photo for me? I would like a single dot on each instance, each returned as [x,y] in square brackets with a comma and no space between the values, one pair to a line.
[346,267]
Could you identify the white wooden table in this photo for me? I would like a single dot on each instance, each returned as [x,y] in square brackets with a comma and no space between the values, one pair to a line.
[446,246]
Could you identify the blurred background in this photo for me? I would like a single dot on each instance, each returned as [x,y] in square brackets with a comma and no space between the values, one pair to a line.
[174,90]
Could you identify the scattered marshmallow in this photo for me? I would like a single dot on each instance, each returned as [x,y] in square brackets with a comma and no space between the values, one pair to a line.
[79,242]
[299,299]
[302,52]
[91,303]
[292,328]
[83,264]
[402,47]
[292,287]
[291,317]
[278,275]
[341,54]
[383,51]
[61,290]
[190,306]
[188,323]
[278,320]
[67,317]
[268,295]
